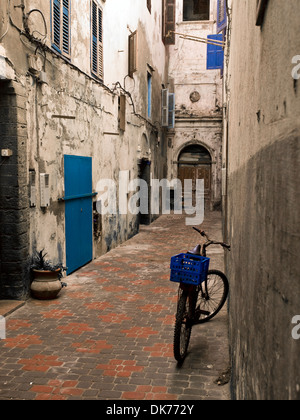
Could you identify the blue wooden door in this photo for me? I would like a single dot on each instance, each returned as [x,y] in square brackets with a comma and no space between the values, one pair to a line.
[78,211]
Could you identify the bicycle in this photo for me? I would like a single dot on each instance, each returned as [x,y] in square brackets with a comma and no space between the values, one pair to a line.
[202,292]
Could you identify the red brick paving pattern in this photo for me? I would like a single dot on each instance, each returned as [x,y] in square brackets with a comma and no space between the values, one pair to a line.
[17,324]
[92,346]
[22,341]
[109,334]
[75,328]
[115,318]
[40,363]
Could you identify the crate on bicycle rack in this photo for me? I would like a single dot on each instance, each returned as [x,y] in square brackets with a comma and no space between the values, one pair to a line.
[189,269]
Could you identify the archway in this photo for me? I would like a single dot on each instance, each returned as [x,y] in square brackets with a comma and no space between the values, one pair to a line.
[194,163]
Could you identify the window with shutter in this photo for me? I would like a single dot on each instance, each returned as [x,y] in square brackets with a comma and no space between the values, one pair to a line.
[171,118]
[169,16]
[165,107]
[168,109]
[61,26]
[122,112]
[97,41]
[149,81]
[132,54]
[215,53]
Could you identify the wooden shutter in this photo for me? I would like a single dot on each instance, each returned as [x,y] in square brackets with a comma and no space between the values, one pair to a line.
[149,80]
[215,53]
[122,112]
[61,26]
[100,43]
[165,107]
[56,21]
[169,16]
[222,16]
[132,54]
[94,38]
[97,41]
[66,27]
[171,117]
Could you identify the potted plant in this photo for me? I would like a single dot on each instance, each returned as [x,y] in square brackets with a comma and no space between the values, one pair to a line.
[47,277]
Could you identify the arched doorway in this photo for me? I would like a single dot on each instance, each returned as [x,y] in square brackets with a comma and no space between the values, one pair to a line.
[194,163]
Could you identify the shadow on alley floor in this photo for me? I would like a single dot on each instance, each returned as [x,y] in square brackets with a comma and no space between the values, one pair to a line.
[109,335]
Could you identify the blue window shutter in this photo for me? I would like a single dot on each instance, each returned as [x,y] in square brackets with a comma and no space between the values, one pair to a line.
[215,53]
[66,27]
[56,21]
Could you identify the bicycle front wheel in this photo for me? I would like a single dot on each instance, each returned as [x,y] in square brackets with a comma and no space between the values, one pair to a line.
[183,328]
[212,296]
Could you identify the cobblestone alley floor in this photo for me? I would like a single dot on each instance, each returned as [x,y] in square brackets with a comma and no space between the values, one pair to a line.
[109,335]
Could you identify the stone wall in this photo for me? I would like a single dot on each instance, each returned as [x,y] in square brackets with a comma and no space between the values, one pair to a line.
[263,201]
[14,215]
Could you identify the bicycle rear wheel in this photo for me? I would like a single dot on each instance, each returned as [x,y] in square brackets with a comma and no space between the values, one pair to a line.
[183,327]
[212,296]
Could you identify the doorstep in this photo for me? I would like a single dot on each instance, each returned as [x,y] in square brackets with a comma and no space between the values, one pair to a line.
[9,306]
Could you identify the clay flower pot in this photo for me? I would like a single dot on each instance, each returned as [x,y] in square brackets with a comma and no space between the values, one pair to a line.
[46,284]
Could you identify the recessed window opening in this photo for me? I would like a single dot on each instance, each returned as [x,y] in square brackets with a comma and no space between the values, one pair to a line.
[196,10]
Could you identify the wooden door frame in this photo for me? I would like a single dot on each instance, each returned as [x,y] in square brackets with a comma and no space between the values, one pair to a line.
[197,165]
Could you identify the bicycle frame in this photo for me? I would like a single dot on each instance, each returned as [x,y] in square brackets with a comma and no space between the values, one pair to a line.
[188,313]
[193,291]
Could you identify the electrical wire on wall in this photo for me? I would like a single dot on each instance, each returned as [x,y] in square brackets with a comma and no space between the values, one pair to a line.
[26,19]
[37,43]
[126,92]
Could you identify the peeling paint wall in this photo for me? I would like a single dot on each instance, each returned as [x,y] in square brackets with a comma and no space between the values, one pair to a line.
[71,113]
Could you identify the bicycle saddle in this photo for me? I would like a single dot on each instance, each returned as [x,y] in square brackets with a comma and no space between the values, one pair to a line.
[196,250]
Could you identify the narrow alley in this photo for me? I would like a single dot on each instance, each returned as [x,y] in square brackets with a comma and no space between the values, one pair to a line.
[111,114]
[109,334]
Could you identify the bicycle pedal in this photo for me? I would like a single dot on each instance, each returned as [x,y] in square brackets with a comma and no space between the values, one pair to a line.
[204,313]
[200,312]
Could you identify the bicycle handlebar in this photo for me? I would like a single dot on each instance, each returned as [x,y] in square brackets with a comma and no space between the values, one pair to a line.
[199,231]
[210,242]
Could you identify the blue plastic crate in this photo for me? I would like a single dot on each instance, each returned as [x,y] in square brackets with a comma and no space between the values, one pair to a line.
[189,269]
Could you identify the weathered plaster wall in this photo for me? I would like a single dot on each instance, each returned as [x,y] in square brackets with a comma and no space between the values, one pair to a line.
[197,122]
[88,122]
[263,201]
